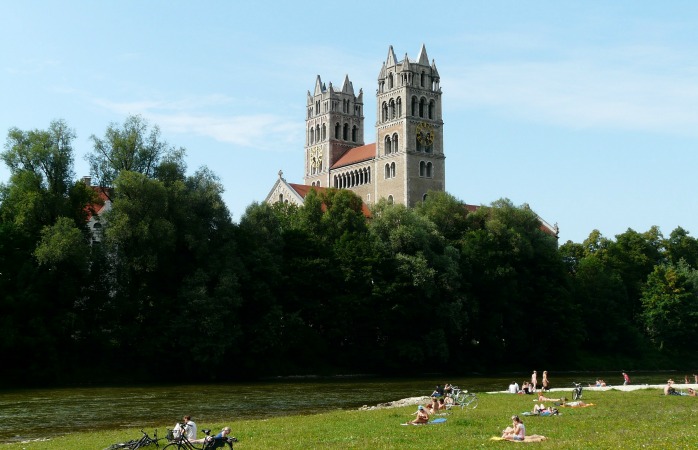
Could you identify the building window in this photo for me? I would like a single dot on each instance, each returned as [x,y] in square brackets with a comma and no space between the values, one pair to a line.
[390,199]
[384,112]
[390,80]
[324,131]
[422,169]
[430,166]
[336,130]
[395,146]
[345,132]
[354,133]
[392,170]
[387,171]
[414,106]
[432,106]
[281,198]
[387,147]
[399,107]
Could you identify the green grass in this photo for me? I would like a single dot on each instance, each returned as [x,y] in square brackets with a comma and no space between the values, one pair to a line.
[628,420]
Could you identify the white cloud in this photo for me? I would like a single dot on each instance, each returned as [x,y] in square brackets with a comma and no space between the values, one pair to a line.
[259,131]
[627,88]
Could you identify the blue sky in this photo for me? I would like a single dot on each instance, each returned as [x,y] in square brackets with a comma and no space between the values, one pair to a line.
[587,111]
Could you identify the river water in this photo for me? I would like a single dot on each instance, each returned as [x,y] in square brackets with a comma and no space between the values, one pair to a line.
[41,413]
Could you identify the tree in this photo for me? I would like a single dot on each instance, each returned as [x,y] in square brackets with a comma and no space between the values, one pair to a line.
[670,305]
[133,147]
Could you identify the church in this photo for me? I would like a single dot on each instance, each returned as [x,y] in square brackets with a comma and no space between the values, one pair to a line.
[407,158]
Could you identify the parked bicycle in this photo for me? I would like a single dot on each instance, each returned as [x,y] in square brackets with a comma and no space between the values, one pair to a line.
[133,444]
[209,442]
[577,392]
[463,398]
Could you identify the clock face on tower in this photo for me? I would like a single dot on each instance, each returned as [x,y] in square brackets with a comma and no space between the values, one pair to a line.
[425,134]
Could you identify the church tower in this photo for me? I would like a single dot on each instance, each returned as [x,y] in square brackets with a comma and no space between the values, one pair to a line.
[334,124]
[409,130]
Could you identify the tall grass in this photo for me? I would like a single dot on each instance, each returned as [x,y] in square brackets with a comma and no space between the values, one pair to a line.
[628,420]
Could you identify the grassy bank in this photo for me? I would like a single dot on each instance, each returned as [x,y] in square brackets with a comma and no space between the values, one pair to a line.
[629,420]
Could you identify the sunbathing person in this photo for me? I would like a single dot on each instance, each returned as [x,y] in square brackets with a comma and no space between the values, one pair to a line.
[669,388]
[542,410]
[543,398]
[517,432]
[422,416]
[692,392]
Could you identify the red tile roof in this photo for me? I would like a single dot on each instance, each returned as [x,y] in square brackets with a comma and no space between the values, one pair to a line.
[355,155]
[303,189]
[96,207]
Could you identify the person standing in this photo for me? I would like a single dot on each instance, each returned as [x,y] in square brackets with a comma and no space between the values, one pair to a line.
[626,379]
[534,380]
[546,382]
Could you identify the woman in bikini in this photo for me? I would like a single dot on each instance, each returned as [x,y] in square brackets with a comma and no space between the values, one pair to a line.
[517,432]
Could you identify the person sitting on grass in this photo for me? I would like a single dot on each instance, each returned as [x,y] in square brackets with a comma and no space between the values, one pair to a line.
[691,392]
[442,404]
[422,416]
[669,388]
[516,432]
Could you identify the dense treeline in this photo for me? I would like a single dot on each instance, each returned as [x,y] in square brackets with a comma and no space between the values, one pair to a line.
[176,290]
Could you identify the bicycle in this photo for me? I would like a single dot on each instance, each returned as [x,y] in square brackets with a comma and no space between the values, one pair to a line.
[577,392]
[463,398]
[210,442]
[133,444]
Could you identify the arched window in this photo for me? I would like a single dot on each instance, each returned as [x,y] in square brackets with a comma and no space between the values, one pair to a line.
[324,131]
[392,170]
[317,107]
[395,146]
[387,149]
[414,106]
[354,132]
[431,109]
[392,109]
[421,79]
[390,199]
[422,169]
[368,174]
[424,197]
[390,80]
[430,166]
[97,232]
[336,130]
[387,171]
[345,132]
[317,133]
[281,198]
[422,104]
[384,112]
[312,135]
[399,107]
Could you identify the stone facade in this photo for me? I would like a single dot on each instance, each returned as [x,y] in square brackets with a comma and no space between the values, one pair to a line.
[407,159]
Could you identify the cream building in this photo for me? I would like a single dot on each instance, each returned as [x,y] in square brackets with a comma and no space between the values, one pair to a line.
[407,159]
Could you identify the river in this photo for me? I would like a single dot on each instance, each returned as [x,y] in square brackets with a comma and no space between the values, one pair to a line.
[41,413]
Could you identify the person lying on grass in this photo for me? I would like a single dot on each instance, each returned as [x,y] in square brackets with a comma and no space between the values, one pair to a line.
[543,398]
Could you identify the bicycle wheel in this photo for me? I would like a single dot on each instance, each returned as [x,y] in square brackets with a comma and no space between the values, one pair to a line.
[471,402]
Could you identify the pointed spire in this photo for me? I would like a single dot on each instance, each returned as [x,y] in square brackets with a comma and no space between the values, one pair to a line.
[331,88]
[318,85]
[423,59]
[406,62]
[347,88]
[381,75]
[360,98]
[310,99]
[391,57]
[434,72]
